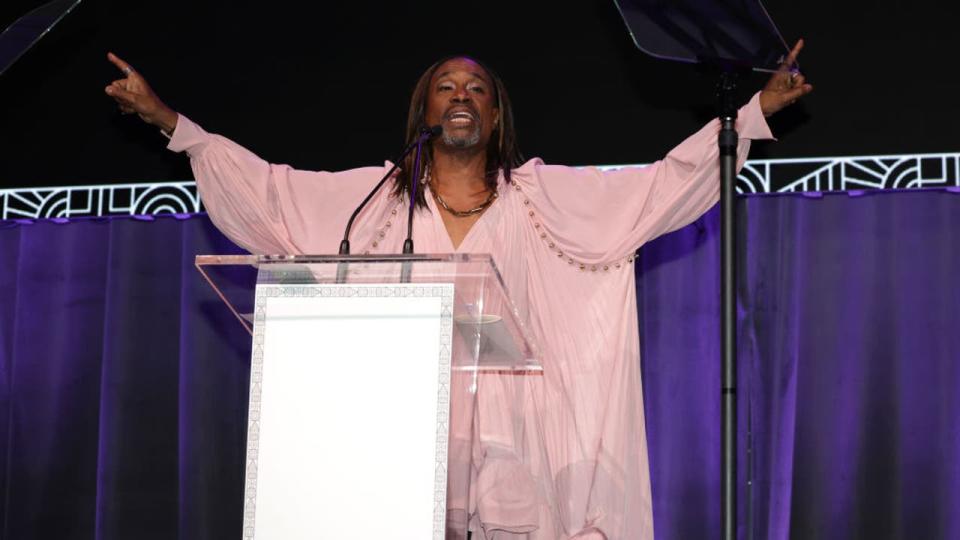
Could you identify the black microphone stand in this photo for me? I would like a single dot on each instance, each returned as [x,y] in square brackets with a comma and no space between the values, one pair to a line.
[736,37]
[727,142]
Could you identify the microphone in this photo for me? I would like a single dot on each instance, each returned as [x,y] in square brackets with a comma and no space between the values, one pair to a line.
[426,133]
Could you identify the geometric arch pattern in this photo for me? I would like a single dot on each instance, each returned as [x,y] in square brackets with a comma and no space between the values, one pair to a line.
[851,173]
[107,200]
[758,176]
[856,173]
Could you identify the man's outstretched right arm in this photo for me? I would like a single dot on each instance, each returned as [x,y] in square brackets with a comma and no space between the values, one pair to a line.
[264,208]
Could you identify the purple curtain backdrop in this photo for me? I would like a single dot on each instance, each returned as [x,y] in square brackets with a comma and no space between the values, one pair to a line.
[123,381]
[849,361]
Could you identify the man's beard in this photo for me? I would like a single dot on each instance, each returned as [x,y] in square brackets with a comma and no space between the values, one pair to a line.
[462,141]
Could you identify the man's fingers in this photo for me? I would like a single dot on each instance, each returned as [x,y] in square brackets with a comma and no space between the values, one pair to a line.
[797,93]
[121,65]
[121,95]
[792,57]
[117,61]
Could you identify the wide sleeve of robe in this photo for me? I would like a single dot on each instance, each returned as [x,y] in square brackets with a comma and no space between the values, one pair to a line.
[267,208]
[579,230]
[596,216]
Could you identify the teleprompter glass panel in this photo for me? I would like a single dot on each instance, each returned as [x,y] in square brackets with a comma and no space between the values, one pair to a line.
[737,33]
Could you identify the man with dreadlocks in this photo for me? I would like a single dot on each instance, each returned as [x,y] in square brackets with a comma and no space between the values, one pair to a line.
[564,240]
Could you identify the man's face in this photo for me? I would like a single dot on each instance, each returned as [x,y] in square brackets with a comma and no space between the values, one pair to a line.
[461,99]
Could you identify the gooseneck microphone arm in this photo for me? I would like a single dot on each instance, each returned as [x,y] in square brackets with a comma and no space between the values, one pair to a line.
[406,268]
[425,134]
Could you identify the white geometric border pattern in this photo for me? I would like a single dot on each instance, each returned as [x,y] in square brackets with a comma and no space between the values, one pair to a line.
[911,171]
[850,174]
[94,201]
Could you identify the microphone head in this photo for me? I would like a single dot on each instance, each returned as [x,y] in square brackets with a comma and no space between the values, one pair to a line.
[433,130]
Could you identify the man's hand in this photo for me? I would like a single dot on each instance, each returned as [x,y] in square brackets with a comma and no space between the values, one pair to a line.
[133,95]
[786,86]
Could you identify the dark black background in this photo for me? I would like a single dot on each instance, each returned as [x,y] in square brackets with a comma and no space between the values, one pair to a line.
[325,85]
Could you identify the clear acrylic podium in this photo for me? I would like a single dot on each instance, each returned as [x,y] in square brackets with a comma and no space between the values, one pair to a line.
[366,373]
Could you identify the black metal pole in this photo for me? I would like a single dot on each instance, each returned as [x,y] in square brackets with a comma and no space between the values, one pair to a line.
[728,307]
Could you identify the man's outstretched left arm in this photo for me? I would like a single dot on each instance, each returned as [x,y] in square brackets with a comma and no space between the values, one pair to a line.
[594,216]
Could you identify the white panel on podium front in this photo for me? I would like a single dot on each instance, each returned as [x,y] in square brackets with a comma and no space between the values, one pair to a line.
[348,413]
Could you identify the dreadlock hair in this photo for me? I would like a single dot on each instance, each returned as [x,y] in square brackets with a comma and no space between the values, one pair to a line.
[502,150]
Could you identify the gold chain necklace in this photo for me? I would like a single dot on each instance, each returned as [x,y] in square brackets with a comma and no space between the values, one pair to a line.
[465,213]
[457,213]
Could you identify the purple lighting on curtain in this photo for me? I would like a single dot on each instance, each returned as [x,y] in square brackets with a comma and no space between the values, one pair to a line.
[123,380]
[849,361]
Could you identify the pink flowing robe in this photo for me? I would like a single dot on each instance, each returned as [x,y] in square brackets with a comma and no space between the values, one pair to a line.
[564,240]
